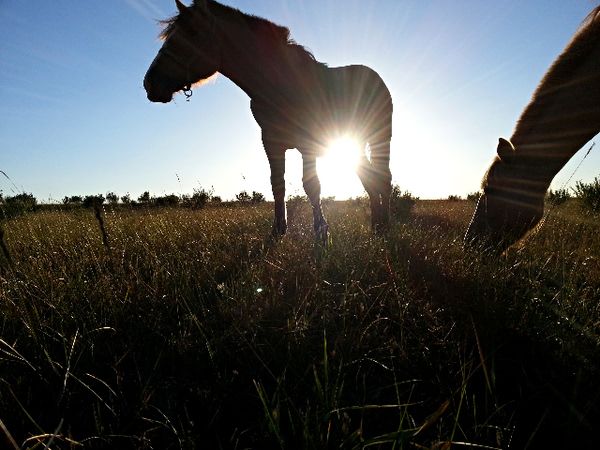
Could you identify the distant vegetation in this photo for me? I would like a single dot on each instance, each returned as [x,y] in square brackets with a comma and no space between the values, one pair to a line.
[198,199]
[587,194]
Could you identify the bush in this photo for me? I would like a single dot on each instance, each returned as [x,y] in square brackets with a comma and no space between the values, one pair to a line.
[589,193]
[112,198]
[144,198]
[454,198]
[257,197]
[91,201]
[474,196]
[201,197]
[243,197]
[401,203]
[72,200]
[557,197]
[166,200]
[17,205]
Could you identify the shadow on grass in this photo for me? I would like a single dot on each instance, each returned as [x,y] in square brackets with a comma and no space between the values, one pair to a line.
[549,398]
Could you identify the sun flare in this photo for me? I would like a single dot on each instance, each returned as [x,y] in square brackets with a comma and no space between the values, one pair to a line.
[337,168]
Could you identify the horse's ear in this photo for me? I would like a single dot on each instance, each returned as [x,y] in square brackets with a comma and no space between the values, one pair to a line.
[506,151]
[180,6]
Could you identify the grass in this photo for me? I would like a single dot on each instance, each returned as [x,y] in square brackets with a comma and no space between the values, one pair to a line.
[192,329]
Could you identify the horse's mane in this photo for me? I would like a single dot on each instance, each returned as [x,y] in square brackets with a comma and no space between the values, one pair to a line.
[277,34]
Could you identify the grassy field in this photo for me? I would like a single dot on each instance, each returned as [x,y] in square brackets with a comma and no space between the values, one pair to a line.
[192,329]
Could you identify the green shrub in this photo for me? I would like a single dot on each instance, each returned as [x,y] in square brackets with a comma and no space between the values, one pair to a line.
[166,200]
[589,193]
[243,197]
[112,198]
[90,201]
[201,197]
[257,197]
[558,197]
[401,203]
[474,196]
[144,197]
[73,200]
[17,205]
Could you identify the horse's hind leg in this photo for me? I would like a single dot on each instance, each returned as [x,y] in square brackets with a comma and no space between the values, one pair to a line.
[366,174]
[312,187]
[376,178]
[380,160]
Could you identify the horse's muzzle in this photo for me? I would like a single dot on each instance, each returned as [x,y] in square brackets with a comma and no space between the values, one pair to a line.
[155,94]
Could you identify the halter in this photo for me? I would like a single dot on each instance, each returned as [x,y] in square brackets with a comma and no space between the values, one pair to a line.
[187,88]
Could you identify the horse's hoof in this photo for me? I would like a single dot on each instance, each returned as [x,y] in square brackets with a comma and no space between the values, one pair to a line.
[278,230]
[322,236]
[381,228]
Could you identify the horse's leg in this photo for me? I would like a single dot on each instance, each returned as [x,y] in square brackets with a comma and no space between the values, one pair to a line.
[376,178]
[380,161]
[312,187]
[276,156]
[366,174]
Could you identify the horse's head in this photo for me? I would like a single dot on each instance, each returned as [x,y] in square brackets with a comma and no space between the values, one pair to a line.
[511,203]
[190,53]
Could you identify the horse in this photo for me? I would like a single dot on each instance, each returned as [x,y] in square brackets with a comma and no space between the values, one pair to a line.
[562,116]
[297,101]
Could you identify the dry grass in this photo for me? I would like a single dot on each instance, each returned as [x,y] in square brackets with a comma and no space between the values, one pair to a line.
[194,330]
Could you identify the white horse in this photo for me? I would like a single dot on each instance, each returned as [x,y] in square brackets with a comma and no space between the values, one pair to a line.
[563,115]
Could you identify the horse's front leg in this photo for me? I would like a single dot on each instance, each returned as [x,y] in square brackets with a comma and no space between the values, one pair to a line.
[312,187]
[276,156]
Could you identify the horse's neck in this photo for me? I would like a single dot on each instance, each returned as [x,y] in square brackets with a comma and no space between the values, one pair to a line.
[564,113]
[261,69]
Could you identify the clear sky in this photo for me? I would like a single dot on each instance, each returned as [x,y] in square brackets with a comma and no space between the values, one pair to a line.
[74,118]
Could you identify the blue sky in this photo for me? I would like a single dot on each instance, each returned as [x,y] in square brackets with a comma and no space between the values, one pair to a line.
[74,118]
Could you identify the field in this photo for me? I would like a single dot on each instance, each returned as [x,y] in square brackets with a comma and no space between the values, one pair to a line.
[192,329]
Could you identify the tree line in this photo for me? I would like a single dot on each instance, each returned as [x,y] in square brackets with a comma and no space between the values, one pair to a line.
[587,193]
[11,206]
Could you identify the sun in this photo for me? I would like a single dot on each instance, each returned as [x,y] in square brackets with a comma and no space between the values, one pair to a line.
[337,168]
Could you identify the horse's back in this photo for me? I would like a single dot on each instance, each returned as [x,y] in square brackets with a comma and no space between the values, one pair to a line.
[360,99]
[330,101]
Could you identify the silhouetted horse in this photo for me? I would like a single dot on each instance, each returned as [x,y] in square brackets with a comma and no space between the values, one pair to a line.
[297,101]
[562,116]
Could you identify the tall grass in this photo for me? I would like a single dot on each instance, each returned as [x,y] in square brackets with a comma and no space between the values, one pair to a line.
[194,329]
